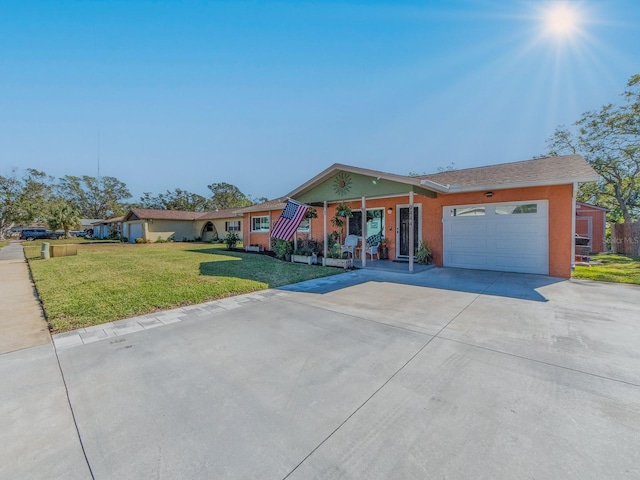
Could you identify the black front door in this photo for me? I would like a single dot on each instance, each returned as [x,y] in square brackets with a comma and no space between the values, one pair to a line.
[403,231]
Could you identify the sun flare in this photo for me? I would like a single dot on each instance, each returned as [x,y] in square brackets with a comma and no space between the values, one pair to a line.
[561,20]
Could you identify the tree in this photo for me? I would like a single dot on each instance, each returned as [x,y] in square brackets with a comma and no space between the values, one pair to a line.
[93,197]
[177,200]
[609,139]
[226,195]
[23,200]
[63,216]
[258,200]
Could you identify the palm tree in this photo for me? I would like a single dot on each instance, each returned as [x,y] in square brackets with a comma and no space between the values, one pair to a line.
[64,217]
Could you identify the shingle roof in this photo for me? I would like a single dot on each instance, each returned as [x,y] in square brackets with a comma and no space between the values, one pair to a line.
[224,213]
[548,170]
[149,213]
[109,220]
[275,204]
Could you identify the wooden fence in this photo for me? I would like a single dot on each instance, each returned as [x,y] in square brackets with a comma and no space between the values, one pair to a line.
[625,238]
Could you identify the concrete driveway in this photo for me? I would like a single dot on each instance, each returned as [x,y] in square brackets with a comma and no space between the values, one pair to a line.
[444,374]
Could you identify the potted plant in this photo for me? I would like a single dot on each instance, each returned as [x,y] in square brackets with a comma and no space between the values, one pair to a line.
[339,219]
[336,259]
[423,254]
[384,249]
[307,251]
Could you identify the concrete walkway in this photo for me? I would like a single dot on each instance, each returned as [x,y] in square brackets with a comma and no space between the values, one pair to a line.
[22,324]
[37,430]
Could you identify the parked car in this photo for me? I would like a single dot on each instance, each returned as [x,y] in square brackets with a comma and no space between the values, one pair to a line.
[30,234]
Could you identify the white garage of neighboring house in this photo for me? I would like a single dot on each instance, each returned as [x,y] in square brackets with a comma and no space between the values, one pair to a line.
[152,225]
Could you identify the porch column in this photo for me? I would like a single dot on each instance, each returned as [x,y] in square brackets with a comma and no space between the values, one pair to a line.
[363,253]
[326,239]
[411,230]
[248,231]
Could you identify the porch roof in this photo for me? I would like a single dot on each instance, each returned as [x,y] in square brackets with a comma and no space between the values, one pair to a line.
[342,182]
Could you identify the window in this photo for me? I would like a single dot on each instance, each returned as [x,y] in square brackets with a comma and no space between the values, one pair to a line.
[233,226]
[305,226]
[260,224]
[516,209]
[375,222]
[208,227]
[467,212]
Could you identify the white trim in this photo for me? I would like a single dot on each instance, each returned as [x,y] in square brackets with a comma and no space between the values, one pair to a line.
[339,167]
[504,186]
[397,208]
[259,231]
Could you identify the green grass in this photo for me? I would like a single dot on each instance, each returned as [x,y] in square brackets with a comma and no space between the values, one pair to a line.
[613,268]
[110,282]
[3,243]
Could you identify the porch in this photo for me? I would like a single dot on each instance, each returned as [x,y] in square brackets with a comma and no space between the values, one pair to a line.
[392,266]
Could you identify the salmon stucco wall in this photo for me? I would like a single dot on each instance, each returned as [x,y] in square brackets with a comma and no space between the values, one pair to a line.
[258,238]
[560,199]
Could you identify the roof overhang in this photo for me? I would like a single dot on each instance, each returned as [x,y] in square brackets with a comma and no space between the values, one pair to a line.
[505,186]
[396,184]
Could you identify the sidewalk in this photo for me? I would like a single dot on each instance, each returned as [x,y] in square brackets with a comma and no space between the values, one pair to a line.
[22,323]
[37,430]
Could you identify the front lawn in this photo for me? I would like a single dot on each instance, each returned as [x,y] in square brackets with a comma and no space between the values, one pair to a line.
[110,282]
[611,268]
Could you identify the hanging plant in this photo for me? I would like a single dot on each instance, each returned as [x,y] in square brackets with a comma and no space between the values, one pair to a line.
[342,212]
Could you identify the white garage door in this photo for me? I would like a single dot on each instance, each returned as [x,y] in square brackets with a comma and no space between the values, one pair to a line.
[509,237]
[135,231]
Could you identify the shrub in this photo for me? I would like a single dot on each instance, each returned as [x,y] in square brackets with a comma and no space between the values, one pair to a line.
[281,247]
[231,240]
[140,240]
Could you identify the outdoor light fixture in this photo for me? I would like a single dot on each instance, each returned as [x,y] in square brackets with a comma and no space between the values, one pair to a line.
[389,210]
[488,194]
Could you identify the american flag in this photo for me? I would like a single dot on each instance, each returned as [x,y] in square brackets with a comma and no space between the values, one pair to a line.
[289,220]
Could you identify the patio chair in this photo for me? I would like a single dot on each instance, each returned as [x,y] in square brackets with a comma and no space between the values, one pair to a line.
[350,244]
[372,250]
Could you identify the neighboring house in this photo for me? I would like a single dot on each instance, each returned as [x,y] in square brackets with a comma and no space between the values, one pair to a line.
[591,222]
[108,228]
[513,217]
[152,225]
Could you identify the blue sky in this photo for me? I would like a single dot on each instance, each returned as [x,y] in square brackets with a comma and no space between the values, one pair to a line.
[265,95]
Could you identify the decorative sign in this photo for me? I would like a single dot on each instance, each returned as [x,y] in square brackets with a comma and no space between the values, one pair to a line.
[342,183]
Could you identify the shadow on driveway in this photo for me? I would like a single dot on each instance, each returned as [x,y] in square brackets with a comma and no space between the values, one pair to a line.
[511,285]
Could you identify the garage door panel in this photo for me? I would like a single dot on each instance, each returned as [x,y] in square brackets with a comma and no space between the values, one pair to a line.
[464,225]
[520,227]
[474,261]
[516,242]
[465,243]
